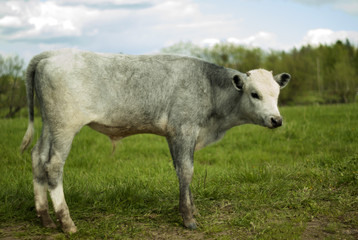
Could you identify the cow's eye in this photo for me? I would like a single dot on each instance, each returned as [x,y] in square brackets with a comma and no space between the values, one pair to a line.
[255,95]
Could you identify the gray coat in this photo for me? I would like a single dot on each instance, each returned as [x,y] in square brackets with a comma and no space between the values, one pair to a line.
[187,100]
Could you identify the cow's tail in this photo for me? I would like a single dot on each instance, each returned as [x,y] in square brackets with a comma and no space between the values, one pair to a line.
[30,81]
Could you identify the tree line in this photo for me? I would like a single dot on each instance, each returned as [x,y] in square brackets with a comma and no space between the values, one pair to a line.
[12,86]
[320,75]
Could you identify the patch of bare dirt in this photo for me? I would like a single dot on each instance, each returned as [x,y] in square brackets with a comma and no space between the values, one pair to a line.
[20,231]
[314,230]
[169,232]
[11,232]
[166,232]
[325,228]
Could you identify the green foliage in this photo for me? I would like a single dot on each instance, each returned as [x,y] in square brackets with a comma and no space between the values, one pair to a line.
[12,86]
[323,74]
[299,181]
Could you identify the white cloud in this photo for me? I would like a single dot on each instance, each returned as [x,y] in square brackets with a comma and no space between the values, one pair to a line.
[265,40]
[176,9]
[328,36]
[261,39]
[76,2]
[142,26]
[44,20]
[209,42]
[316,2]
[151,19]
[349,6]
[182,20]
[10,21]
[123,3]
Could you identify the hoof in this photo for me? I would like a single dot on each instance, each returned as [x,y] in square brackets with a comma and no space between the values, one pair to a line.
[190,225]
[50,225]
[46,220]
[68,226]
[70,230]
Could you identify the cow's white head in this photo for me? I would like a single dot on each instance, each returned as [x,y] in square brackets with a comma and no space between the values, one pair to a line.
[260,90]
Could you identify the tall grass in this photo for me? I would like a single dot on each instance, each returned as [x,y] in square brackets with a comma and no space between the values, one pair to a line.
[297,181]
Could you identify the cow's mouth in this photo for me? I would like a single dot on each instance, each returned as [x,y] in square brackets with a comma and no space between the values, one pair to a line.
[274,122]
[271,122]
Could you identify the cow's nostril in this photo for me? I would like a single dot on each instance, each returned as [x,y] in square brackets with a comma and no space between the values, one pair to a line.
[276,121]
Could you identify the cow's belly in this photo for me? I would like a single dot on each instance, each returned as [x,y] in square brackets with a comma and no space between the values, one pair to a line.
[118,132]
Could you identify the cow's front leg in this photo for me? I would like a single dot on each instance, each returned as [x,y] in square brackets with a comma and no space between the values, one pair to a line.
[185,173]
[182,151]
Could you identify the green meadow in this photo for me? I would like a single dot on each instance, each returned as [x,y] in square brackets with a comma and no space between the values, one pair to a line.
[299,181]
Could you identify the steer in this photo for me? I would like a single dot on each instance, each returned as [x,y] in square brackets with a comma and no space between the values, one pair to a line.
[190,102]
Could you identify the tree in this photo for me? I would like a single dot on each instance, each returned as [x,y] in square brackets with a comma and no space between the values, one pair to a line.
[12,86]
[323,74]
[183,48]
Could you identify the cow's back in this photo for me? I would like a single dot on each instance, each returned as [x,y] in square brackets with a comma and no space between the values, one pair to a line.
[126,91]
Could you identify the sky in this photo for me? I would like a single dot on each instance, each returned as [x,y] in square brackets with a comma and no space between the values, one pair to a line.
[28,27]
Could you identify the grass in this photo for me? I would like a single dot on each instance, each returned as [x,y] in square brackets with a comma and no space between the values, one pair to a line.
[299,181]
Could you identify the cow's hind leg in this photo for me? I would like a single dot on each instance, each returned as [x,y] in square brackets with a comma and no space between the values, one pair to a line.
[40,155]
[60,147]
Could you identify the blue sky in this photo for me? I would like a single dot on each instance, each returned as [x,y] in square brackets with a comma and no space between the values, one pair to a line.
[28,27]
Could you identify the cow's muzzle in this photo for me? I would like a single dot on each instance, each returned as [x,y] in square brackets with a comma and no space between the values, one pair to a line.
[276,121]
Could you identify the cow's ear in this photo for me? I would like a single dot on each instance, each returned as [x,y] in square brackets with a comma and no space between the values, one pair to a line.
[282,79]
[238,82]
